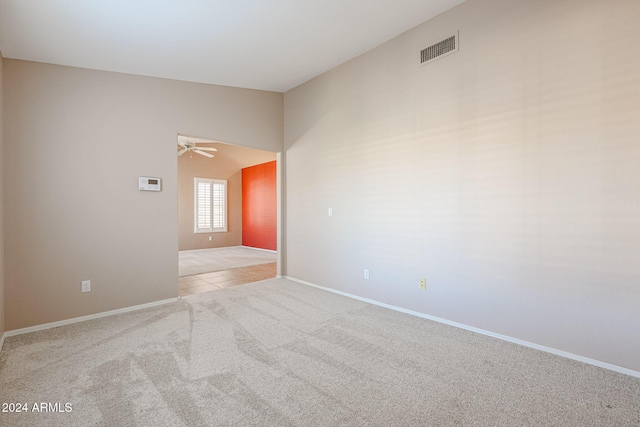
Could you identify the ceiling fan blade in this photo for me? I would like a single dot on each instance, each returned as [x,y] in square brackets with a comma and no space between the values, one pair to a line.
[203,153]
[181,152]
[206,148]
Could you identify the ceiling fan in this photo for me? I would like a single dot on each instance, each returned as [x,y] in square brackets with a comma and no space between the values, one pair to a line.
[190,144]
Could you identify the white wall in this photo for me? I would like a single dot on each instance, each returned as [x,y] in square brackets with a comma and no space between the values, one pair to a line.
[506,174]
[79,141]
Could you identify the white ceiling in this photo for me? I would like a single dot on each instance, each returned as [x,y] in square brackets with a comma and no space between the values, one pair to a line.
[261,44]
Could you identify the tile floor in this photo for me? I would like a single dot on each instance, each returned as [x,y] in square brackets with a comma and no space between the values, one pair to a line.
[189,285]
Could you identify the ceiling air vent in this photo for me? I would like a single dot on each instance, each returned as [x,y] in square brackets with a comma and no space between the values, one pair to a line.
[440,49]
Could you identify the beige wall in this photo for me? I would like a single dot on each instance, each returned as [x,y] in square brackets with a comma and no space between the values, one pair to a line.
[227,164]
[1,199]
[505,174]
[79,140]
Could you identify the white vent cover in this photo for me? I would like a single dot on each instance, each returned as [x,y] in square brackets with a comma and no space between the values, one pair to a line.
[440,49]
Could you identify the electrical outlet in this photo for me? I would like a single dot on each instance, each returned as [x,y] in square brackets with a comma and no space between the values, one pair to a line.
[423,284]
[209,238]
[366,273]
[86,286]
[330,212]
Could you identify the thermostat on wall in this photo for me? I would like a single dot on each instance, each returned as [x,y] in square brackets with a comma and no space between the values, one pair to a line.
[147,183]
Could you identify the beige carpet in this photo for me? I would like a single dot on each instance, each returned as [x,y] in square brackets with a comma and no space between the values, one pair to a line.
[277,353]
[217,259]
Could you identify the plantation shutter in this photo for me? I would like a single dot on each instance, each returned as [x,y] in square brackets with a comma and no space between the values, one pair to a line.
[203,206]
[210,205]
[219,205]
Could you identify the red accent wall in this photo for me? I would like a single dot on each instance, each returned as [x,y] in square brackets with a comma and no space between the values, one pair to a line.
[259,206]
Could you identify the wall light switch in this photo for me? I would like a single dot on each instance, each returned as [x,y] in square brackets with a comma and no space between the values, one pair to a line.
[330,211]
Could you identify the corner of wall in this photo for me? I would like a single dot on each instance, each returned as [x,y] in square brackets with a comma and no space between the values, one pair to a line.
[1,204]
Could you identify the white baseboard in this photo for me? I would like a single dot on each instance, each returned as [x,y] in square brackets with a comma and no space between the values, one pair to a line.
[1,341]
[83,318]
[546,349]
[259,249]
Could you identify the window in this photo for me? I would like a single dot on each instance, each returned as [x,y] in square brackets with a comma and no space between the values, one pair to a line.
[210,205]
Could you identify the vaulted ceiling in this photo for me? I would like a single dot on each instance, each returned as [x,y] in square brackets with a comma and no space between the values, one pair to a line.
[261,44]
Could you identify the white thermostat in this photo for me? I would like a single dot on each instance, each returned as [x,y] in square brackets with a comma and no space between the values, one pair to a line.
[147,183]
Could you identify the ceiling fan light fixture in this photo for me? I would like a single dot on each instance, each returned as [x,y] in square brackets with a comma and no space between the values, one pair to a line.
[186,144]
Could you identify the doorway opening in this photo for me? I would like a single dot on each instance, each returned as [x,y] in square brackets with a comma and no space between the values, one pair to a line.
[227,215]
